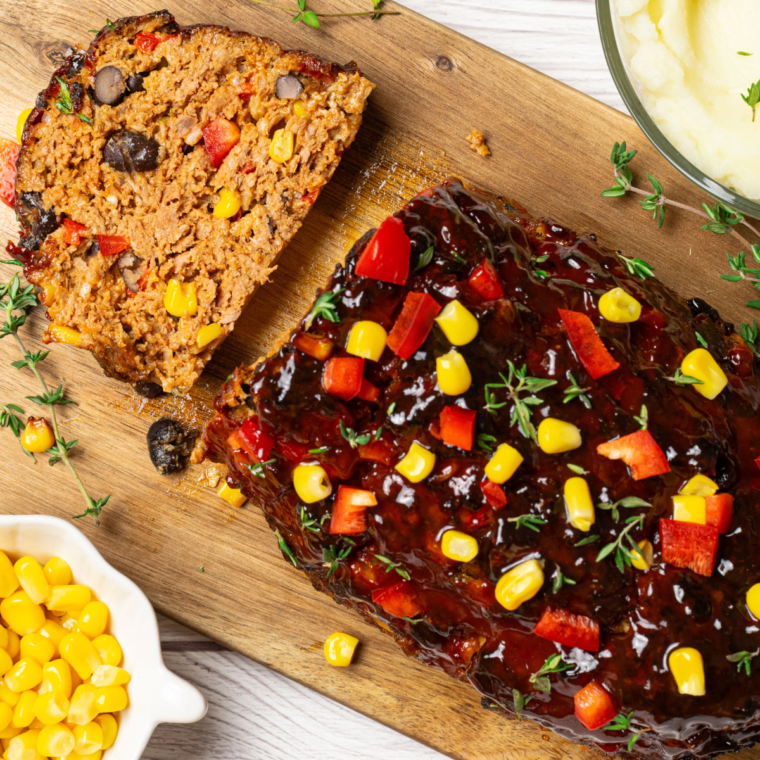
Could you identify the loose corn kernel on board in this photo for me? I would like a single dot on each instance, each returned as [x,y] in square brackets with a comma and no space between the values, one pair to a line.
[550,147]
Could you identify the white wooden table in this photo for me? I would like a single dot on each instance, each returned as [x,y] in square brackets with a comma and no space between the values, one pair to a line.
[255,713]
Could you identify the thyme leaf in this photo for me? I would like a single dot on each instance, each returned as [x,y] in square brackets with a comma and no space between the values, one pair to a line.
[285,549]
[743,660]
[554,664]
[574,391]
[353,439]
[577,469]
[622,553]
[257,470]
[680,379]
[64,104]
[391,565]
[486,442]
[752,98]
[532,522]
[326,307]
[637,267]
[559,580]
[629,502]
[521,702]
[643,418]
[425,258]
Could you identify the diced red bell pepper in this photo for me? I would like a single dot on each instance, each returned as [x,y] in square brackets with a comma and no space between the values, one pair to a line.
[687,544]
[458,426]
[639,451]
[8,155]
[348,513]
[583,337]
[252,439]
[387,254]
[72,232]
[112,245]
[316,346]
[719,510]
[368,392]
[343,376]
[570,630]
[494,494]
[376,451]
[399,600]
[413,324]
[220,137]
[485,281]
[312,195]
[594,706]
[147,42]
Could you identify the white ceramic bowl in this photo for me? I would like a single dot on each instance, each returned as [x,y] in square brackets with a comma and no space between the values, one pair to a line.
[156,695]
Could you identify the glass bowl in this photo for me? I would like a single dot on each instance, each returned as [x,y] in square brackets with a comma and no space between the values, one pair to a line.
[627,89]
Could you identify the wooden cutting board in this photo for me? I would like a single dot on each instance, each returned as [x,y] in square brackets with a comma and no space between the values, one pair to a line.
[216,569]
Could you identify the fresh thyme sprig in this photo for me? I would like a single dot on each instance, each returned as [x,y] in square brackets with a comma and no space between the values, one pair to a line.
[574,391]
[109,25]
[521,702]
[331,555]
[64,104]
[486,442]
[577,469]
[559,579]
[308,523]
[749,333]
[643,418]
[629,502]
[554,664]
[622,722]
[391,565]
[739,265]
[285,549]
[310,18]
[588,540]
[353,439]
[637,267]
[680,379]
[425,259]
[257,470]
[16,303]
[320,450]
[752,98]
[702,342]
[325,306]
[413,621]
[623,555]
[541,260]
[743,660]
[532,522]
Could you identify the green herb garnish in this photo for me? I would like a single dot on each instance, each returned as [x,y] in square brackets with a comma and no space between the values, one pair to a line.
[629,502]
[574,391]
[285,548]
[257,470]
[521,702]
[553,664]
[559,580]
[680,379]
[391,565]
[637,267]
[623,555]
[331,555]
[64,104]
[486,442]
[532,522]
[310,18]
[308,523]
[325,306]
[743,660]
[702,342]
[588,540]
[425,258]
[752,98]
[577,469]
[353,439]
[643,418]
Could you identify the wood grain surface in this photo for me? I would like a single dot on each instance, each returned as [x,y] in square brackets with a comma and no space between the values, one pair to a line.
[550,147]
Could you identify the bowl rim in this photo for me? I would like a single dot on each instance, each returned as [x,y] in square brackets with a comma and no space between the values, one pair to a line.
[636,108]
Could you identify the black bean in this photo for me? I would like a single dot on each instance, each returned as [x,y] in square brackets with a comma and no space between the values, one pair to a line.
[33,215]
[132,268]
[135,83]
[109,86]
[168,446]
[148,390]
[288,87]
[128,151]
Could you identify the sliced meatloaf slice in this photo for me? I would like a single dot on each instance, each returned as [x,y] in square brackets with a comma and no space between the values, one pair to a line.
[161,174]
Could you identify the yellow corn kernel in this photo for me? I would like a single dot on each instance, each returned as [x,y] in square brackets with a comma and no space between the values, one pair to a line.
[207,333]
[299,109]
[14,644]
[686,665]
[6,695]
[618,306]
[8,733]
[37,647]
[232,495]
[339,649]
[367,340]
[644,557]
[76,681]
[503,463]
[30,573]
[557,436]
[56,676]
[417,464]
[24,675]
[69,623]
[4,638]
[93,620]
[112,699]
[21,614]
[54,632]
[281,149]
[454,376]
[110,729]
[23,712]
[181,298]
[6,663]
[8,578]
[56,741]
[580,507]
[519,584]
[22,117]
[311,483]
[108,649]
[229,203]
[700,485]
[83,708]
[459,324]
[37,436]
[63,334]
[68,598]
[58,572]
[6,715]
[753,601]
[37,725]
[24,747]
[459,546]
[97,755]
[89,738]
[108,675]
[81,654]
[700,364]
[690,508]
[51,707]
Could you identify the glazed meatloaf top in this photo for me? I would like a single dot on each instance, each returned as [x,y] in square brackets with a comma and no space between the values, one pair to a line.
[549,492]
[160,175]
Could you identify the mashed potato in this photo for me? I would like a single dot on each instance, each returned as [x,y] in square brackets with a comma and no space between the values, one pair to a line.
[685,55]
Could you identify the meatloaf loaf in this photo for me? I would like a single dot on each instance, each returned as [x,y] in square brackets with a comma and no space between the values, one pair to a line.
[161,174]
[534,467]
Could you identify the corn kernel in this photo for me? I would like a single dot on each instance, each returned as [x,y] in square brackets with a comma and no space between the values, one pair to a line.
[4,638]
[367,340]
[8,733]
[618,306]
[753,601]
[8,578]
[700,364]
[14,644]
[459,324]
[37,436]
[23,712]
[55,741]
[6,695]
[503,463]
[417,464]
[311,482]
[207,333]
[686,665]
[108,649]
[459,546]
[51,707]
[519,584]
[93,620]
[21,614]
[6,715]
[108,675]
[110,729]
[76,681]
[89,738]
[24,675]
[24,747]
[299,109]
[37,647]
[81,654]
[454,376]
[97,755]
[690,509]
[68,598]
[83,708]
[580,507]
[22,117]
[232,495]
[339,649]
[557,436]
[53,632]
[63,334]
[37,725]
[644,557]
[6,663]
[58,572]
[281,149]
[69,623]
[32,577]
[56,676]
[229,203]
[181,298]
[111,699]
[700,485]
